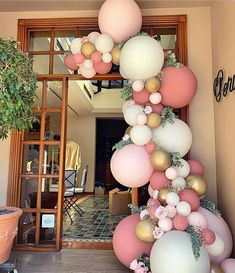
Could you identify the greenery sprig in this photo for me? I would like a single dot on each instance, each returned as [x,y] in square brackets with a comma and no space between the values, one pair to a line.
[211,206]
[167,115]
[196,239]
[17,88]
[126,92]
[136,209]
[176,159]
[170,60]
[121,144]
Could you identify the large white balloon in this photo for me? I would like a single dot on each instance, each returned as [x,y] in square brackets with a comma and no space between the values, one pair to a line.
[76,45]
[174,137]
[184,169]
[104,43]
[141,58]
[217,247]
[126,104]
[173,253]
[131,113]
[93,36]
[140,134]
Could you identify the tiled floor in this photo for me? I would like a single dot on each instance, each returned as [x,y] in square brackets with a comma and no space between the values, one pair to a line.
[96,224]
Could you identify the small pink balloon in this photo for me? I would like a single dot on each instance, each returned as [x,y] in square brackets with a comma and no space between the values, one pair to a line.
[165,224]
[155,98]
[153,202]
[152,211]
[158,180]
[141,119]
[96,57]
[196,167]
[88,64]
[197,219]
[84,39]
[191,197]
[228,266]
[141,97]
[124,236]
[69,62]
[180,222]
[157,108]
[208,236]
[78,58]
[171,173]
[87,73]
[138,85]
[150,147]
[102,68]
[171,211]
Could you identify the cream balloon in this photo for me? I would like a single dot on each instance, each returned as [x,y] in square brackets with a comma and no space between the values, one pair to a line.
[179,183]
[184,169]
[174,137]
[140,134]
[75,46]
[104,43]
[107,57]
[142,57]
[93,36]
[173,253]
[126,104]
[131,113]
[217,247]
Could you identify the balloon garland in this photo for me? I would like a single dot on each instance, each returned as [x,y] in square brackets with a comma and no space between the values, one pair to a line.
[178,230]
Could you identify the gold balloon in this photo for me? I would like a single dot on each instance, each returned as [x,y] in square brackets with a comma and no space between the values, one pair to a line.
[215,268]
[144,231]
[197,184]
[152,85]
[160,160]
[154,120]
[128,130]
[87,49]
[162,195]
[116,53]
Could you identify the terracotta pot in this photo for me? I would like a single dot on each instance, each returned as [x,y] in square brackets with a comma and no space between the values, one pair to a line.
[8,231]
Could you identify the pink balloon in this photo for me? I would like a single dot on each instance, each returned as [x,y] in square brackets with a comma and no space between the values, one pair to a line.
[178,87]
[180,222]
[219,226]
[96,57]
[138,85]
[191,197]
[152,211]
[150,190]
[78,58]
[141,97]
[158,180]
[150,147]
[69,62]
[196,167]
[153,202]
[87,73]
[120,19]
[102,68]
[171,173]
[141,119]
[228,266]
[197,219]
[208,236]
[155,98]
[157,108]
[126,245]
[131,166]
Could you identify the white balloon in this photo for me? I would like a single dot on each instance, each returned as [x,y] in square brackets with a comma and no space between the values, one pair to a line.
[104,43]
[141,58]
[179,183]
[183,208]
[88,64]
[76,45]
[173,253]
[217,247]
[131,113]
[172,198]
[126,104]
[184,169]
[107,58]
[93,36]
[140,134]
[174,137]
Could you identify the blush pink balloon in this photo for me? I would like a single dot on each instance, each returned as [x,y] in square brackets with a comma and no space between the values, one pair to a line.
[120,19]
[131,166]
[78,58]
[96,57]
[158,180]
[87,73]
[141,97]
[102,68]
[191,197]
[228,266]
[141,119]
[180,222]
[152,211]
[197,219]
[196,167]
[178,87]
[157,108]
[126,245]
[219,226]
[208,236]
[150,147]
[69,62]
[171,173]
[155,98]
[138,85]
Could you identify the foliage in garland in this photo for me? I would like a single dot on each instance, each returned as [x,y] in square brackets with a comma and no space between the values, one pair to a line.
[126,92]
[196,239]
[136,209]
[176,159]
[211,206]
[121,144]
[141,264]
[170,60]
[17,88]
[167,115]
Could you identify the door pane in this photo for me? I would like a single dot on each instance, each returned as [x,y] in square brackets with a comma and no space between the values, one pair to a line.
[63,39]
[54,94]
[58,65]
[41,64]
[48,229]
[39,41]
[49,193]
[30,159]
[51,159]
[38,97]
[52,126]
[29,189]
[34,132]
[26,232]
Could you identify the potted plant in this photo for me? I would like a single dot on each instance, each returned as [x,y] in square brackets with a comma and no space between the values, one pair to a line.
[17,92]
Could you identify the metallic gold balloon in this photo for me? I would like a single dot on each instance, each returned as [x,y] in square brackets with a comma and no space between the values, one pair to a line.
[152,85]
[87,49]
[162,195]
[197,184]
[215,268]
[128,130]
[154,120]
[160,160]
[116,53]
[144,231]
